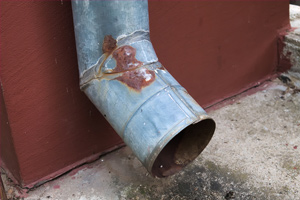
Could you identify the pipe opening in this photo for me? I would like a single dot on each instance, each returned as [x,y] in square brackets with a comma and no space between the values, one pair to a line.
[183,148]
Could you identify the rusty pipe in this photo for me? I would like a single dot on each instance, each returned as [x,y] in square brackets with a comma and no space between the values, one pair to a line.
[120,73]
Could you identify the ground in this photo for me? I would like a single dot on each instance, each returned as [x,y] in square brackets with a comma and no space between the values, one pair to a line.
[254,154]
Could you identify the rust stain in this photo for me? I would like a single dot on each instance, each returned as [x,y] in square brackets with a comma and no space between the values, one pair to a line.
[109,44]
[137,79]
[125,59]
[133,76]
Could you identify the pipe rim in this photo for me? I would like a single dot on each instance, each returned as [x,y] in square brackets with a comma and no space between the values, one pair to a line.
[179,156]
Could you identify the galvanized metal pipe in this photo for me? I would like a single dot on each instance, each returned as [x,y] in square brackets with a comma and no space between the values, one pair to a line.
[120,73]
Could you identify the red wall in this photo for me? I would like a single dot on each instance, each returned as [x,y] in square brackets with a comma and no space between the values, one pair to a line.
[7,150]
[53,123]
[214,49]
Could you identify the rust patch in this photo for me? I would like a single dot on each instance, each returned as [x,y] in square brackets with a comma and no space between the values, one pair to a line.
[125,59]
[133,76]
[137,79]
[109,44]
[162,68]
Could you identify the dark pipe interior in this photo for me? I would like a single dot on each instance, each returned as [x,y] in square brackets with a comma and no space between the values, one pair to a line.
[183,148]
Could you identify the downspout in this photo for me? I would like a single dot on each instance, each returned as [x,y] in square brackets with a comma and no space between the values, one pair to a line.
[120,73]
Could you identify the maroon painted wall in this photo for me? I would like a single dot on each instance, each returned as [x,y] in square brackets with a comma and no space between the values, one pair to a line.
[214,49]
[7,149]
[53,123]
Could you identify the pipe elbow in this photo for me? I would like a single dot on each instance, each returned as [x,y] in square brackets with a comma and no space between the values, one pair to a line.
[154,115]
